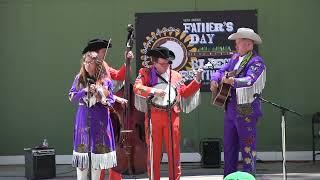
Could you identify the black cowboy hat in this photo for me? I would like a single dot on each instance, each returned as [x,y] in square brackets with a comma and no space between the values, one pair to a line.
[96,45]
[161,52]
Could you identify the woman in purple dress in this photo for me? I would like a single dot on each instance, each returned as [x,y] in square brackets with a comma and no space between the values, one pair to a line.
[93,132]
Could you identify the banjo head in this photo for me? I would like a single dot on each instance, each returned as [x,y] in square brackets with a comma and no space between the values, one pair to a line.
[163,102]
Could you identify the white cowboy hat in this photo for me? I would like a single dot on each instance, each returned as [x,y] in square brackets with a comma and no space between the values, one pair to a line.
[246,33]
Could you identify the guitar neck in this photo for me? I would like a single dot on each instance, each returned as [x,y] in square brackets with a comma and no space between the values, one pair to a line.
[231,74]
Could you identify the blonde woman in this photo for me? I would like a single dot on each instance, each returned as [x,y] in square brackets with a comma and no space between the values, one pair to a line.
[93,132]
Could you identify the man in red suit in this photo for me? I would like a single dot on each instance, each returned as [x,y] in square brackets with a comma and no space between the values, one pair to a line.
[187,98]
[118,76]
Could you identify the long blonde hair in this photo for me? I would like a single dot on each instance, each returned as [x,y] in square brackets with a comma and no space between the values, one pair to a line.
[100,72]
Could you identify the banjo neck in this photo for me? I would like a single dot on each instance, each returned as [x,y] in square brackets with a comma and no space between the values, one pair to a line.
[175,84]
[210,53]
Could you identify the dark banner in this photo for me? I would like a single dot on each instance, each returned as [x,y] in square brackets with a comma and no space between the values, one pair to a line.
[198,39]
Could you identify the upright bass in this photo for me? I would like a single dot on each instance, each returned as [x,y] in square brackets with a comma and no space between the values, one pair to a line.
[128,125]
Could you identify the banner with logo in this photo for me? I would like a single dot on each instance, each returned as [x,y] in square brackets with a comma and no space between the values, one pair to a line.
[198,39]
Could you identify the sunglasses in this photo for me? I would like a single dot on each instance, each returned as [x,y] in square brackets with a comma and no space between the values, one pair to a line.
[163,64]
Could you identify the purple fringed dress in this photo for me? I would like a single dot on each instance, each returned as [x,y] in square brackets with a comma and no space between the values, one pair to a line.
[103,154]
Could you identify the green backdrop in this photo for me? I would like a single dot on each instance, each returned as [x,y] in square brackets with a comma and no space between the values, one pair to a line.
[40,50]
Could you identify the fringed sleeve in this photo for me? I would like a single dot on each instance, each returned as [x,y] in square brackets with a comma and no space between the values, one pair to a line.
[190,96]
[245,94]
[140,103]
[188,104]
[141,90]
[117,85]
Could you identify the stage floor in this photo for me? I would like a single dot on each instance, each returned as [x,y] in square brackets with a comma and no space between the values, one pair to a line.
[299,170]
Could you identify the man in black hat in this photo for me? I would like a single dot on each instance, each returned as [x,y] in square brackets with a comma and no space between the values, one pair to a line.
[100,46]
[187,98]
[96,45]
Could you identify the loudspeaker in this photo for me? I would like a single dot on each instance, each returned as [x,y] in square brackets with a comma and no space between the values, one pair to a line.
[210,149]
[40,163]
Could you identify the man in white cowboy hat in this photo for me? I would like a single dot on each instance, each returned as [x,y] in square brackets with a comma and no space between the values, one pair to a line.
[242,109]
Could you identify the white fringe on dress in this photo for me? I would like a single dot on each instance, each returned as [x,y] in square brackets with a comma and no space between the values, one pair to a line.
[245,94]
[104,161]
[190,103]
[99,161]
[80,160]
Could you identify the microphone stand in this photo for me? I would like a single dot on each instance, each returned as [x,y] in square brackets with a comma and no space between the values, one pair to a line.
[170,121]
[150,135]
[88,119]
[283,130]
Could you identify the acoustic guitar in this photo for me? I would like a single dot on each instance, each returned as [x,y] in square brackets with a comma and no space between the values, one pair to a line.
[220,95]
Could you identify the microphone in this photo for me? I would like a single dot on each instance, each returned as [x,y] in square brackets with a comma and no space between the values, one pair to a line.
[90,81]
[170,62]
[256,95]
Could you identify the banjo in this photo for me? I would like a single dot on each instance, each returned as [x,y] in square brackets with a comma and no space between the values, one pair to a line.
[163,102]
